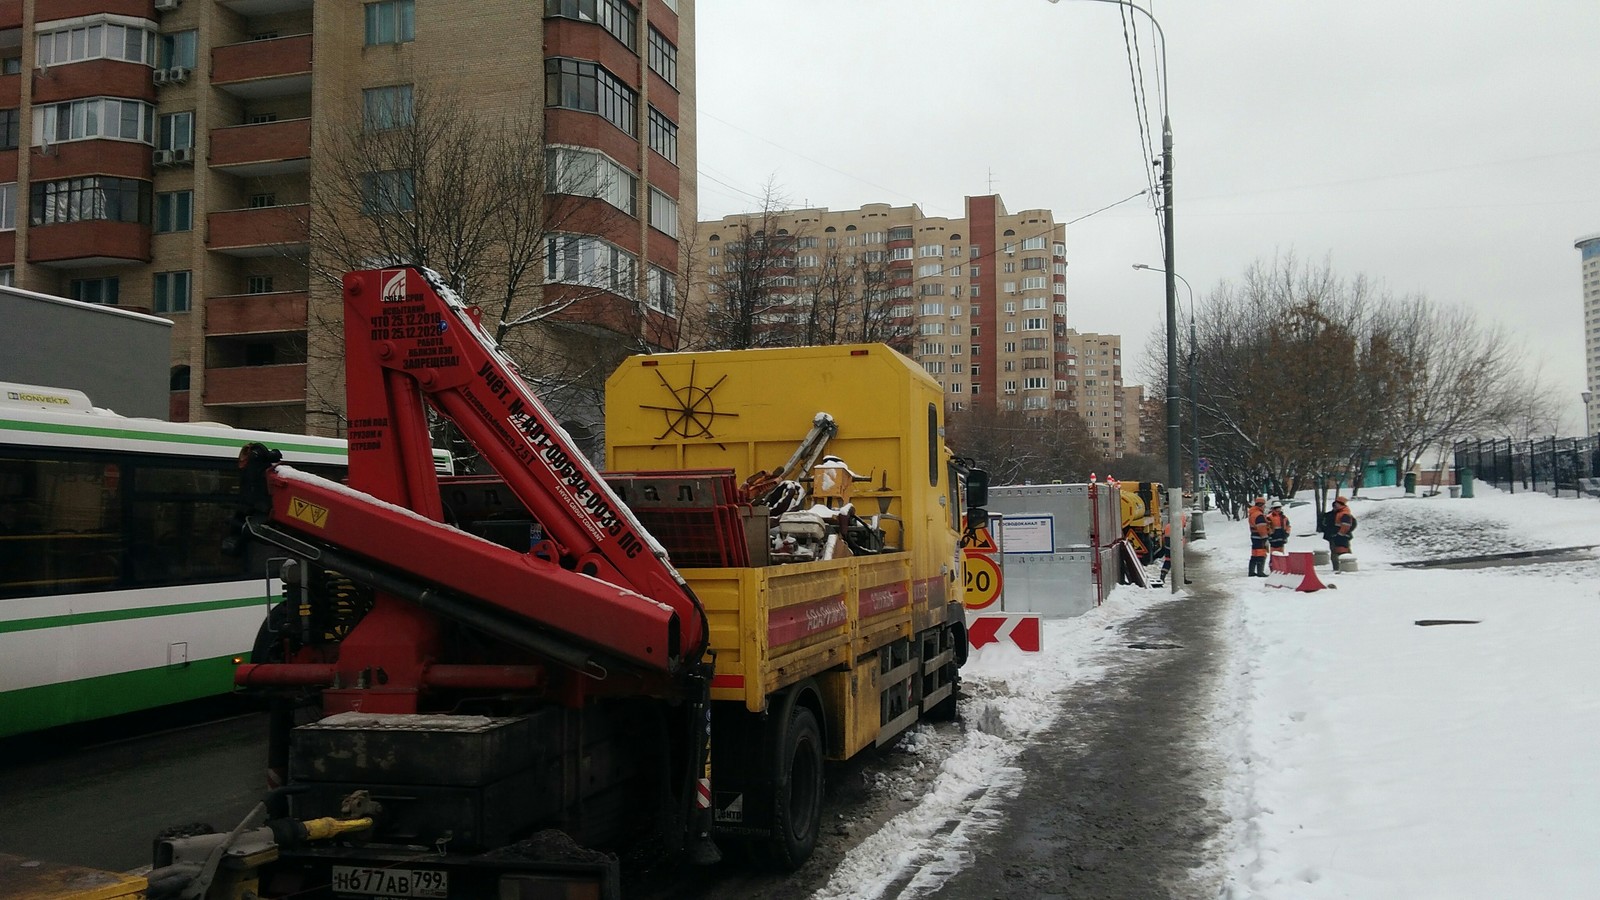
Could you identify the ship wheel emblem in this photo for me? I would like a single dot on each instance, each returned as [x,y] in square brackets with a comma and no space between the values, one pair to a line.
[695,410]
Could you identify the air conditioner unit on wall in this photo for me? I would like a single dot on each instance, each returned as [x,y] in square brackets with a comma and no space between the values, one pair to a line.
[167,5]
[177,75]
[183,155]
[162,157]
[158,77]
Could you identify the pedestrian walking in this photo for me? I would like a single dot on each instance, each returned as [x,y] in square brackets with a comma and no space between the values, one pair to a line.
[1339,525]
[1278,537]
[1260,529]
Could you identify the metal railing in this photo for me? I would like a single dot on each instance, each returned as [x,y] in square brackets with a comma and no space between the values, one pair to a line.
[1556,466]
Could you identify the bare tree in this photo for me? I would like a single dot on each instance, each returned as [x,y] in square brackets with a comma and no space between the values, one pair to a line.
[506,220]
[1017,447]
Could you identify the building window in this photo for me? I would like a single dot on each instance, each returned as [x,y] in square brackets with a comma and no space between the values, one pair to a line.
[663,57]
[10,119]
[1036,242]
[95,290]
[590,173]
[262,201]
[258,284]
[663,136]
[663,291]
[174,211]
[11,65]
[664,214]
[176,49]
[388,192]
[8,276]
[386,107]
[8,206]
[1034,324]
[95,117]
[391,22]
[95,37]
[96,198]
[588,260]
[615,16]
[177,131]
[587,87]
[261,118]
[171,294]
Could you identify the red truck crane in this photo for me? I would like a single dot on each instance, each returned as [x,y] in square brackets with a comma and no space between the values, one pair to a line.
[460,716]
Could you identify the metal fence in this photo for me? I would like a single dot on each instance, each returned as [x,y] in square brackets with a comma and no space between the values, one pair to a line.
[1553,465]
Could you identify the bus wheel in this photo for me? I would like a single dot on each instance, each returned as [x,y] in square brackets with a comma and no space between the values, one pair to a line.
[797,794]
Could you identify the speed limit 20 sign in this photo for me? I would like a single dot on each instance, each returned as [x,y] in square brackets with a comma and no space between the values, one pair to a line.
[983,581]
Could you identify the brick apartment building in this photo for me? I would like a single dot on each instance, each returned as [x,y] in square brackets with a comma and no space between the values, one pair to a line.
[980,301]
[160,155]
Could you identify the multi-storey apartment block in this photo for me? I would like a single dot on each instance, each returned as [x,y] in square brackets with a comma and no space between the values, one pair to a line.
[1589,246]
[165,154]
[980,302]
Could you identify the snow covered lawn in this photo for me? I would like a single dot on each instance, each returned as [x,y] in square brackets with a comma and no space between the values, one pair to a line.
[1379,758]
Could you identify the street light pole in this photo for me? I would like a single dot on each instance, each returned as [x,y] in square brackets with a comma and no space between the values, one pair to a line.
[1197,527]
[1174,436]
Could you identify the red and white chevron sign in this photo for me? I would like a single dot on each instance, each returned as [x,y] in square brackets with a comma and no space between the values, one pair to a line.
[1019,629]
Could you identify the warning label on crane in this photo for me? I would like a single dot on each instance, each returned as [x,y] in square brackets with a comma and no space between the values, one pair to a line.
[309,513]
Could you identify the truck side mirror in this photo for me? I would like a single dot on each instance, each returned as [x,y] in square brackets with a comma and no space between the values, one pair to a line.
[977,488]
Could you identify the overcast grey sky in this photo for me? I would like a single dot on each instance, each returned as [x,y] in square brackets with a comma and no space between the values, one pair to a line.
[1448,148]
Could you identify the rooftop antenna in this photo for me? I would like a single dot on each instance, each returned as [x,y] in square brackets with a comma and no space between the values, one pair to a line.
[991,180]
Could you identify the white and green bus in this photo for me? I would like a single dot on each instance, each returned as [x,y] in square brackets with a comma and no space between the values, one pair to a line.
[115,593]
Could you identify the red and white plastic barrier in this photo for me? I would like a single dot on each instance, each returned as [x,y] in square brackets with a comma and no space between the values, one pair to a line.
[1294,571]
[1022,630]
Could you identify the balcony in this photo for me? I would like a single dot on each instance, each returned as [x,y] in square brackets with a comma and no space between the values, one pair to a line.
[84,244]
[256,385]
[251,8]
[271,148]
[278,67]
[275,313]
[268,231]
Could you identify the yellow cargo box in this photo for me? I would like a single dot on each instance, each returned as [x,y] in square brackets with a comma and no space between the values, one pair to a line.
[853,623]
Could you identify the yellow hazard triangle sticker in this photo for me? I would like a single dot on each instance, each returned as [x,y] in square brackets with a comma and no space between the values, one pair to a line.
[307,512]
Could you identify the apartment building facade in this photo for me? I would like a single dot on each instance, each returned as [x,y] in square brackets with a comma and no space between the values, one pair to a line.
[1589,247]
[163,155]
[980,301]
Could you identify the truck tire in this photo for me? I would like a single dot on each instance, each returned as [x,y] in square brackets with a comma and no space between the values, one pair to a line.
[797,792]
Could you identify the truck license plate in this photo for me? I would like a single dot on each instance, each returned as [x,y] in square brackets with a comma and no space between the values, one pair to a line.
[430,883]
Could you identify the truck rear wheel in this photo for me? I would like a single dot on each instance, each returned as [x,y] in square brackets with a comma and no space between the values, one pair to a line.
[797,791]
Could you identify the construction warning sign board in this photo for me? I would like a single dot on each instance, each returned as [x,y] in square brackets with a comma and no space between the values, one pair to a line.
[979,540]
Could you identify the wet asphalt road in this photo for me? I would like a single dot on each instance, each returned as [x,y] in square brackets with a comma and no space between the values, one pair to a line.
[1116,803]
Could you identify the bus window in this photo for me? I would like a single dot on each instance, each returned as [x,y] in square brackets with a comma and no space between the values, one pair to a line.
[59,527]
[177,518]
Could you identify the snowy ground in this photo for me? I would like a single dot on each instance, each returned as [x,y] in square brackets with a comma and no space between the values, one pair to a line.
[1367,756]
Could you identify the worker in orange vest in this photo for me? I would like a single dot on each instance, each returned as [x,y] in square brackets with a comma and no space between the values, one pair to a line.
[1279,520]
[1260,529]
[1339,525]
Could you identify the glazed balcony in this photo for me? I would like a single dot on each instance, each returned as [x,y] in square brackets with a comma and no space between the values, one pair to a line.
[85,244]
[275,313]
[271,148]
[278,67]
[268,231]
[256,385]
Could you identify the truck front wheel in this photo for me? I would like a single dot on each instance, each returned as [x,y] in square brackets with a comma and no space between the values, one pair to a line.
[797,794]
